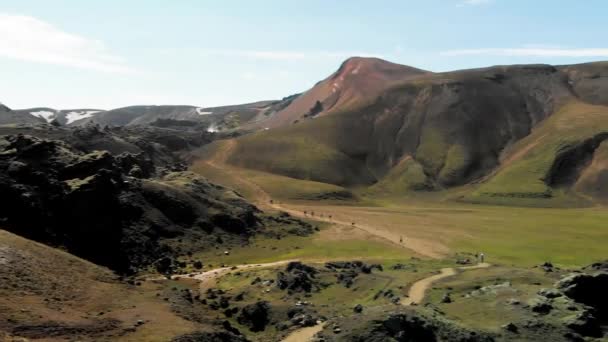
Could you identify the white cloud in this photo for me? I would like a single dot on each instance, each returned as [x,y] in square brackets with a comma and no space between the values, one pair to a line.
[532,52]
[474,2]
[29,39]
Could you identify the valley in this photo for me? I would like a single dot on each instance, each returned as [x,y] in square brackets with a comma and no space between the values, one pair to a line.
[386,203]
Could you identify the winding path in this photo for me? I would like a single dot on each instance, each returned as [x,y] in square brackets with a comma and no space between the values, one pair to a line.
[416,292]
[418,289]
[218,161]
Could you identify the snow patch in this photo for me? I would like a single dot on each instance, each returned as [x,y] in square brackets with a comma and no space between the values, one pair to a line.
[356,71]
[201,111]
[77,115]
[44,114]
[212,129]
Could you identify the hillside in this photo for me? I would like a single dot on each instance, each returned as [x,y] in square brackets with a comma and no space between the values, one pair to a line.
[436,131]
[212,118]
[11,117]
[357,82]
[63,116]
[126,190]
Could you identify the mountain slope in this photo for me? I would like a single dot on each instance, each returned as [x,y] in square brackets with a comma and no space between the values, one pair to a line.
[455,126]
[216,118]
[11,117]
[357,81]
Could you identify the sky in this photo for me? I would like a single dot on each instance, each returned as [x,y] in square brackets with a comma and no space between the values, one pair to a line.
[113,53]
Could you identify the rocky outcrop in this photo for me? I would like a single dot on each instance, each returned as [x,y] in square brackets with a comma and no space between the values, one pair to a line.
[588,289]
[347,271]
[298,277]
[92,203]
[210,337]
[255,316]
[403,326]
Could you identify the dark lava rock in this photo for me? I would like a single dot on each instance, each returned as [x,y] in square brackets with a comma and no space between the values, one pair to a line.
[550,293]
[221,336]
[588,289]
[255,316]
[598,266]
[510,327]
[446,298]
[585,324]
[358,308]
[541,305]
[347,271]
[78,193]
[298,277]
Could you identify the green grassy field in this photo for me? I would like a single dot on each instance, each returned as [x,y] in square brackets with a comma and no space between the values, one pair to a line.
[490,308]
[331,243]
[513,236]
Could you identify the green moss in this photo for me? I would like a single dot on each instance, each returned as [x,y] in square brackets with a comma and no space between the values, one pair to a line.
[406,176]
[455,163]
[431,152]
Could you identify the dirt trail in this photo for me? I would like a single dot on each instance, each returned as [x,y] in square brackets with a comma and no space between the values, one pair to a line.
[416,293]
[263,200]
[208,276]
[418,290]
[304,334]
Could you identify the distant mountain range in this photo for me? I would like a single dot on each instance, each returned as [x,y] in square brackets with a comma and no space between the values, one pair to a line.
[511,134]
[215,118]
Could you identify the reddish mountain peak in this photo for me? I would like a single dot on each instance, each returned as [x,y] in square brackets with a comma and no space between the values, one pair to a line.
[357,80]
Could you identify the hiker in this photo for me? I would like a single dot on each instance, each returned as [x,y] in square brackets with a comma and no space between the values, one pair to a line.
[481,258]
[401,239]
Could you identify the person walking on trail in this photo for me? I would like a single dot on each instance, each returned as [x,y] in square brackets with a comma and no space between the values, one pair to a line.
[481,258]
[401,239]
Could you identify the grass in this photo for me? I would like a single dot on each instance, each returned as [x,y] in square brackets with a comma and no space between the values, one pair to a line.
[331,243]
[279,187]
[406,176]
[514,236]
[286,188]
[295,153]
[489,310]
[521,236]
[525,176]
[331,301]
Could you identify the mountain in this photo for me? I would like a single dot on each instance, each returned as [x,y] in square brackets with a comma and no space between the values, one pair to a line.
[11,117]
[63,116]
[215,118]
[356,82]
[511,133]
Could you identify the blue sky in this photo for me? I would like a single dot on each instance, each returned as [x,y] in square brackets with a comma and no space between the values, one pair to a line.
[111,53]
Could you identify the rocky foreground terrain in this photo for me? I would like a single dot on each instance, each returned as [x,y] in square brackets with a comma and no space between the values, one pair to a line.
[119,198]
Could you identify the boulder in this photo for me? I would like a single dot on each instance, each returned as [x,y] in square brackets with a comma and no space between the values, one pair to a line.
[298,277]
[588,289]
[510,327]
[549,293]
[446,298]
[255,316]
[585,324]
[541,305]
